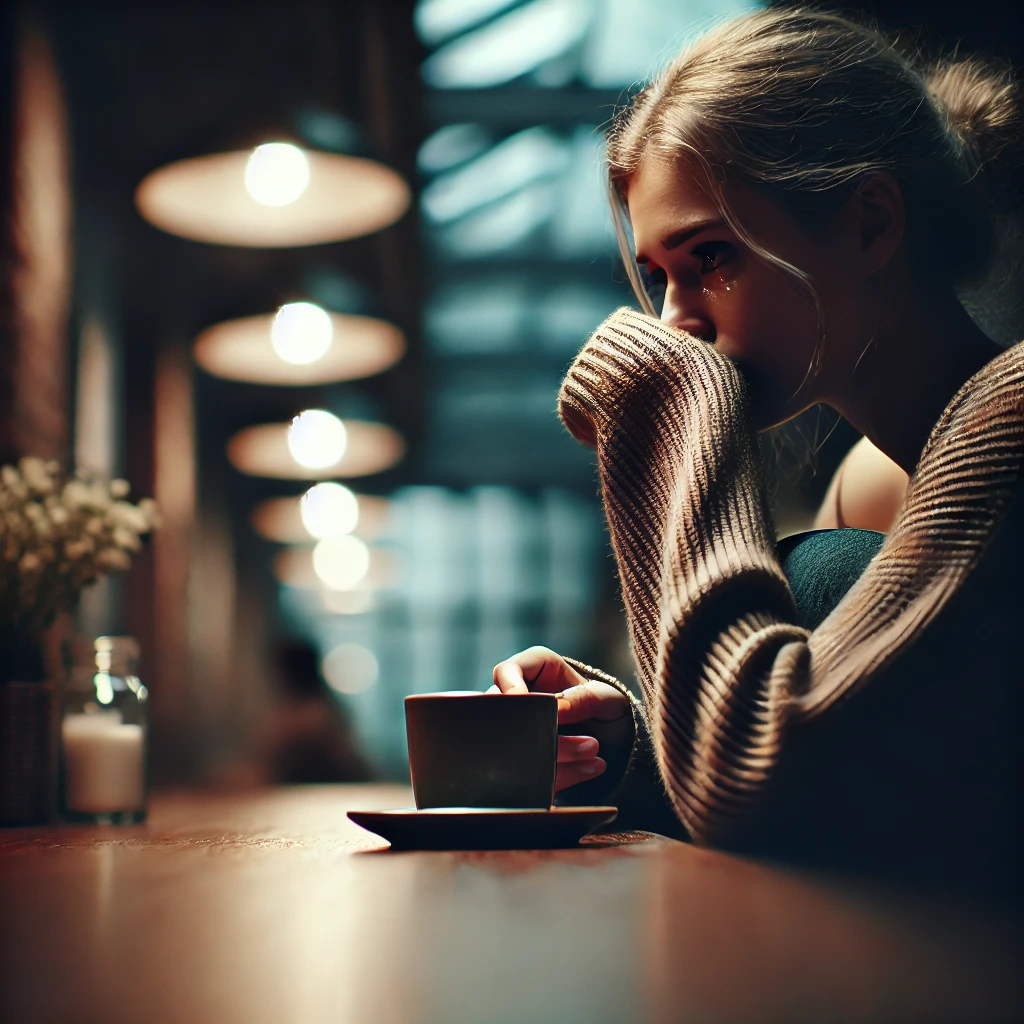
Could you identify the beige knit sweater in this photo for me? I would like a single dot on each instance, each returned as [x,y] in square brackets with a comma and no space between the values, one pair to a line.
[727,679]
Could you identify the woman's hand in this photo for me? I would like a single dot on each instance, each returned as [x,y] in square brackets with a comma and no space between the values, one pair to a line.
[603,712]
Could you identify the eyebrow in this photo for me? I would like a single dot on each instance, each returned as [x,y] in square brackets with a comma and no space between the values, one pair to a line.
[677,238]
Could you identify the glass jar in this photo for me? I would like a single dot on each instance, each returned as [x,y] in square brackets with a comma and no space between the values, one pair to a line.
[104,734]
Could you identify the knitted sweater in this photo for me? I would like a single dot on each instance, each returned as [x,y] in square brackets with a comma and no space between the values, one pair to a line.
[746,713]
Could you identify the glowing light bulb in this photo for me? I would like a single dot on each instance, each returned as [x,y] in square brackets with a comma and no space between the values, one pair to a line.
[350,668]
[341,562]
[317,439]
[277,173]
[301,332]
[329,510]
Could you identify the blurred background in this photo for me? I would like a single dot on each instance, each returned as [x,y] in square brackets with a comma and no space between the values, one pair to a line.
[385,218]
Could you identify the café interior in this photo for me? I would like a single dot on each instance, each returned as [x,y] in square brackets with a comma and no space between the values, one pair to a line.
[307,277]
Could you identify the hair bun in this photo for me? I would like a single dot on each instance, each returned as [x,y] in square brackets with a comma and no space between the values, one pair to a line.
[980,103]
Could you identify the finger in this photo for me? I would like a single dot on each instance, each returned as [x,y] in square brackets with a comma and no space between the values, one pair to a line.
[577,772]
[539,669]
[492,689]
[591,700]
[546,672]
[609,735]
[576,748]
[508,677]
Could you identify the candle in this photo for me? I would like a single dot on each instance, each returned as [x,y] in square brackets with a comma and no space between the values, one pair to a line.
[103,767]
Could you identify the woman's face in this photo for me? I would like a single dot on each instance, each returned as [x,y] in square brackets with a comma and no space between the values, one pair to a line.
[719,290]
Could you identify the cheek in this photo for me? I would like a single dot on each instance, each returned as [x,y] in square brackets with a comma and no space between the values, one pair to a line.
[770,328]
[765,319]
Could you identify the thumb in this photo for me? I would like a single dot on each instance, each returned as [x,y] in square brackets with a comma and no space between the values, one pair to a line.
[592,700]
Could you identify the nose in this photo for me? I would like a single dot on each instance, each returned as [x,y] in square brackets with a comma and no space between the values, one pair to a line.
[682,310]
[697,326]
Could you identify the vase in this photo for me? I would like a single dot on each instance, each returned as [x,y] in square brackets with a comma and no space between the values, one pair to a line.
[28,728]
[28,752]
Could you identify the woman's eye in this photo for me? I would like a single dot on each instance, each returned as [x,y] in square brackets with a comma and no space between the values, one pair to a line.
[655,282]
[713,255]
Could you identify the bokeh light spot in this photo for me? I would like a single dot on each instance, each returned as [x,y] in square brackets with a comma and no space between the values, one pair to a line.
[301,333]
[350,668]
[277,173]
[317,439]
[329,510]
[341,562]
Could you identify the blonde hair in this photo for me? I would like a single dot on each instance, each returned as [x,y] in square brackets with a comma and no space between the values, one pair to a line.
[803,105]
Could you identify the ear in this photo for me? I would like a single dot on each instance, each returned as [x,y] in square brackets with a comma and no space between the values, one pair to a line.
[882,219]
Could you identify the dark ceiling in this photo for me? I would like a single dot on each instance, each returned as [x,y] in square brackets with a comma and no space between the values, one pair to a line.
[151,83]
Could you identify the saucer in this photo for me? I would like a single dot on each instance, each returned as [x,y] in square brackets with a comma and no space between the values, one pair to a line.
[483,828]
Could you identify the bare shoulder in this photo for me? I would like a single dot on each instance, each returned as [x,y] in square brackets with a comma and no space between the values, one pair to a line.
[866,491]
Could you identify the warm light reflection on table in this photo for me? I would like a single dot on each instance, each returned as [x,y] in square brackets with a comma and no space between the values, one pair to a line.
[273,907]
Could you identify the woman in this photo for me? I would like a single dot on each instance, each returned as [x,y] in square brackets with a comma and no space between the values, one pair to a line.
[819,216]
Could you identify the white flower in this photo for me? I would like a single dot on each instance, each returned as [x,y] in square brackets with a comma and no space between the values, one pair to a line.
[18,489]
[36,475]
[95,526]
[76,494]
[43,528]
[124,538]
[83,527]
[76,549]
[90,494]
[113,559]
[16,524]
[148,508]
[125,514]
[99,496]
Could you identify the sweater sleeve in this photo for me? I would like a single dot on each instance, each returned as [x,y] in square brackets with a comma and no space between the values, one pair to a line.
[709,609]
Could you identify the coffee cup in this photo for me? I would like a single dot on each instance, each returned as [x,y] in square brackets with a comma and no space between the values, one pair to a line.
[470,749]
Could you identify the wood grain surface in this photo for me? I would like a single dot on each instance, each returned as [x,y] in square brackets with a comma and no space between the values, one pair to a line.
[272,907]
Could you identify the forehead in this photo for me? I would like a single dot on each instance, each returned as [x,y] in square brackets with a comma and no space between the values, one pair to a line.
[666,193]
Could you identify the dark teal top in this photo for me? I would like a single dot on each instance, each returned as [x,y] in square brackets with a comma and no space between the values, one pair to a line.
[822,565]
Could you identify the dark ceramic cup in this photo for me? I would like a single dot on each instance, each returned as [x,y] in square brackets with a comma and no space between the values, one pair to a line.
[469,749]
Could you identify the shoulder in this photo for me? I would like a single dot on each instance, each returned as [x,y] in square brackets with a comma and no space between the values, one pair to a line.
[866,491]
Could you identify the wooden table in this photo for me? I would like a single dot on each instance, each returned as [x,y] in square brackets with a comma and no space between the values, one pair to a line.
[273,907]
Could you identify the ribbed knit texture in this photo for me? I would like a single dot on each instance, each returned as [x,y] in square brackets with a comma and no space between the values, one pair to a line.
[724,672]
